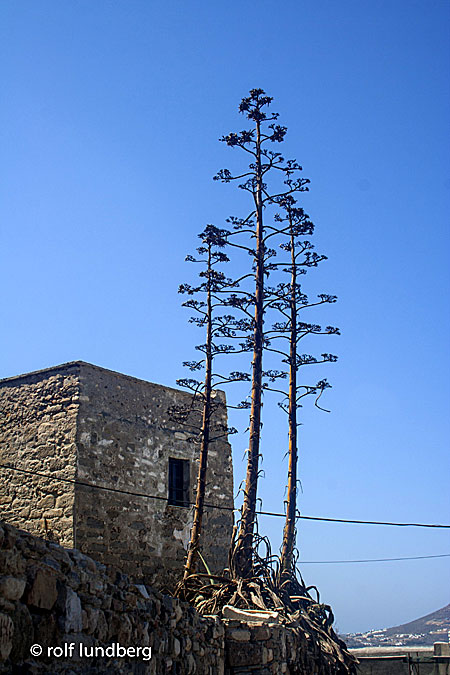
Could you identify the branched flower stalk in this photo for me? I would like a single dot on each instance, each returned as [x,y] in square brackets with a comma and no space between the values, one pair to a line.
[254,142]
[289,301]
[257,580]
[214,280]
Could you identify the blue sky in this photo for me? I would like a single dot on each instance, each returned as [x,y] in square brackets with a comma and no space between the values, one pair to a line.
[110,118]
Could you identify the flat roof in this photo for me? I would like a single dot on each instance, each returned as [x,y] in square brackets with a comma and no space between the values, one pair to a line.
[79,364]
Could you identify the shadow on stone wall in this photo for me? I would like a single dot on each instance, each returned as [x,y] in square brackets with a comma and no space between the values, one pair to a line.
[62,612]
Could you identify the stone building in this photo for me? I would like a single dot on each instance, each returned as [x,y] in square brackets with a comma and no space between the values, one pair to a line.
[67,428]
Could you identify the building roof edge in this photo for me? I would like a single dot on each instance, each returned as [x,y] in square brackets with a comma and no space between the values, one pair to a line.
[80,364]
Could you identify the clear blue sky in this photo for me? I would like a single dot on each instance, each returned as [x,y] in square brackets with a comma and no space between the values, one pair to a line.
[109,121]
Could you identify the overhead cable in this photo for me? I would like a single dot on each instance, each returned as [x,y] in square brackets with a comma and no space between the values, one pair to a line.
[215,506]
[371,560]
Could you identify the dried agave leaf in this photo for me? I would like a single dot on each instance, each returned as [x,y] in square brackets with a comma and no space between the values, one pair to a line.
[322,651]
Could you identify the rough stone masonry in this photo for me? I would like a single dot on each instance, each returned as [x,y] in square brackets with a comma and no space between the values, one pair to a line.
[79,422]
[52,598]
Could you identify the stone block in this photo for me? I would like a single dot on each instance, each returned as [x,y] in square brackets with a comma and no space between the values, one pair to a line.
[143,591]
[53,513]
[178,613]
[64,501]
[240,635]
[101,629]
[6,636]
[23,636]
[45,627]
[69,603]
[12,588]
[47,502]
[142,634]
[6,605]
[261,633]
[43,592]
[190,664]
[50,562]
[91,617]
[240,655]
[249,615]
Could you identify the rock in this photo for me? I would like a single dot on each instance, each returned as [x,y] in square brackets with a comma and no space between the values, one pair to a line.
[106,602]
[96,586]
[190,664]
[6,605]
[10,537]
[23,636]
[53,513]
[6,636]
[249,615]
[241,655]
[92,615]
[84,621]
[240,635]
[261,633]
[45,628]
[64,501]
[143,591]
[119,627]
[118,605]
[168,603]
[125,630]
[178,613]
[12,588]
[69,602]
[52,563]
[218,630]
[83,561]
[142,635]
[101,629]
[43,592]
[47,502]
[131,600]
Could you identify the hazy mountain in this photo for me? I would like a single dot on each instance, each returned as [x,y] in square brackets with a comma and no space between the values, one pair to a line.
[434,627]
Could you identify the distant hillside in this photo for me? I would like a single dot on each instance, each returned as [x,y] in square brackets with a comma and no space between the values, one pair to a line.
[434,627]
[439,619]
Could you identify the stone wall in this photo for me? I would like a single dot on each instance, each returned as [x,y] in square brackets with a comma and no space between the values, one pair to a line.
[79,421]
[50,596]
[125,437]
[54,598]
[38,433]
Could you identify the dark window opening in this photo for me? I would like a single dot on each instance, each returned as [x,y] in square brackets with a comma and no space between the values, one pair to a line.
[178,482]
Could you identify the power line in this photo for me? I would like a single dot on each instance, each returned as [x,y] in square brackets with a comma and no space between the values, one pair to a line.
[216,506]
[370,522]
[370,560]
